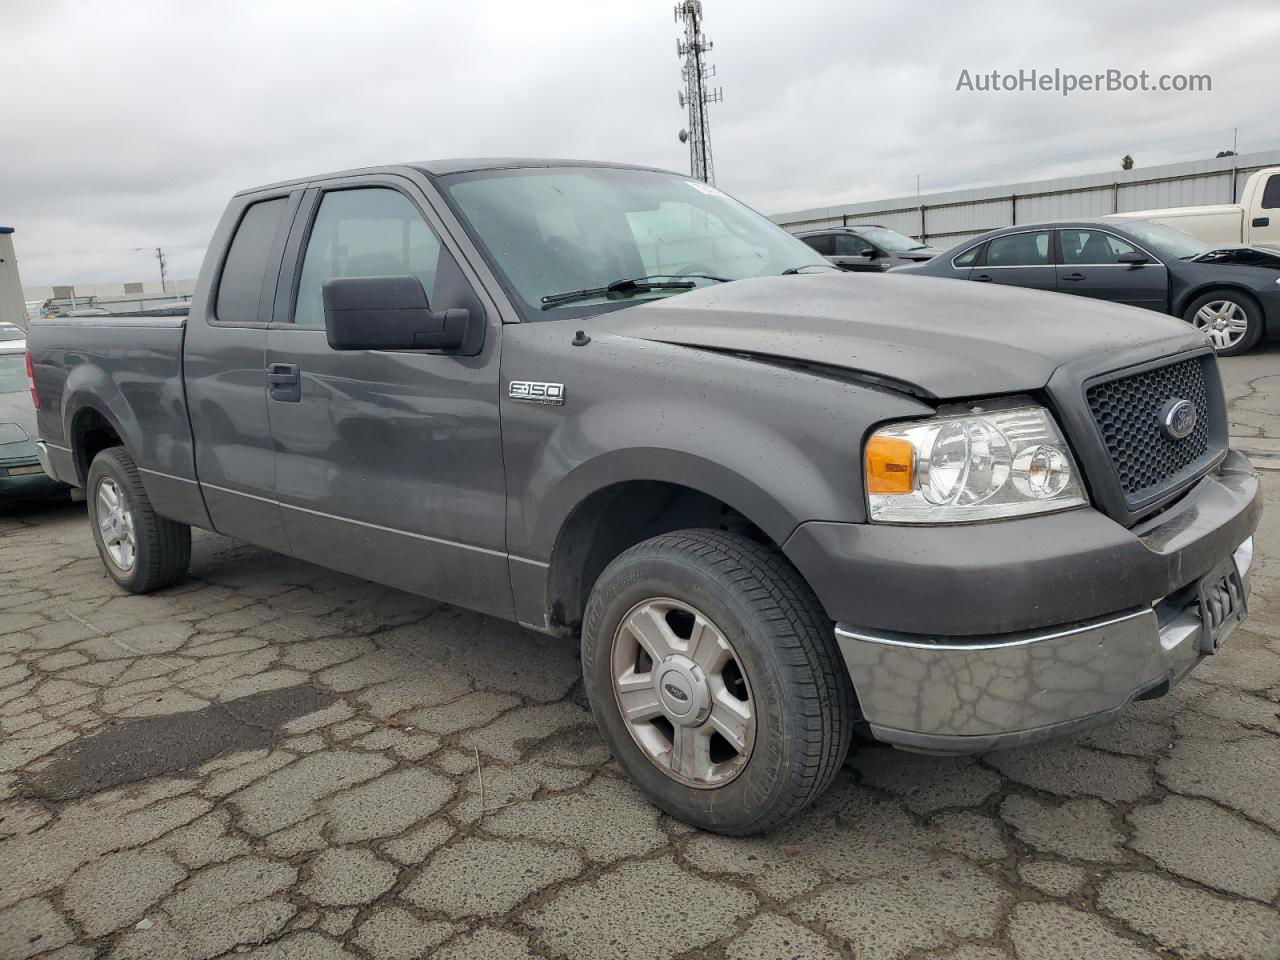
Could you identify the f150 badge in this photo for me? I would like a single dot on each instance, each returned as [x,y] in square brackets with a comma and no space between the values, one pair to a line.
[530,391]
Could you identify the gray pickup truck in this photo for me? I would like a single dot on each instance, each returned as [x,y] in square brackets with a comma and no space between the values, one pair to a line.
[780,504]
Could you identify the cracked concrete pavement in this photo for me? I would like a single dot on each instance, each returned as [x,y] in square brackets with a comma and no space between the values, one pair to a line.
[277,761]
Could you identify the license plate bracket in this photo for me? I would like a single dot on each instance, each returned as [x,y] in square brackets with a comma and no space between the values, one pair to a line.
[1223,605]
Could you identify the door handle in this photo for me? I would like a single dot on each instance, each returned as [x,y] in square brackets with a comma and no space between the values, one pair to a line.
[1261,221]
[1074,277]
[284,382]
[983,278]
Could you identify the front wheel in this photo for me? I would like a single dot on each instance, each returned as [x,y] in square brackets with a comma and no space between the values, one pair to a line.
[714,676]
[141,550]
[1232,320]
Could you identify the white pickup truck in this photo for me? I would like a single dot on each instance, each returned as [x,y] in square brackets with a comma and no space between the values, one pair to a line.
[1254,220]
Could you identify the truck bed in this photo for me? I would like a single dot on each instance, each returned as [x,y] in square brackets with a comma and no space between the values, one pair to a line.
[122,374]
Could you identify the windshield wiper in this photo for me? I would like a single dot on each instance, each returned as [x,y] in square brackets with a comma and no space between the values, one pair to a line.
[805,266]
[631,285]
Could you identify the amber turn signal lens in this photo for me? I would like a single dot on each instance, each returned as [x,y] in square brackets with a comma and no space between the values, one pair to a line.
[891,465]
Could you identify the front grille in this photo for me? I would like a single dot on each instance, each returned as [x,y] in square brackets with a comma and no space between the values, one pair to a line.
[1127,411]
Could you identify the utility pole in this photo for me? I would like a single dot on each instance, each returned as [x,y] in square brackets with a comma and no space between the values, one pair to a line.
[695,96]
[160,257]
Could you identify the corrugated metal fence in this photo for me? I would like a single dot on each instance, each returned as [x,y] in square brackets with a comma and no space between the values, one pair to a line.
[944,219]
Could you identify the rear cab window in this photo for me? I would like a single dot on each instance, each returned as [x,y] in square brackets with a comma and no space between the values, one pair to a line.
[240,295]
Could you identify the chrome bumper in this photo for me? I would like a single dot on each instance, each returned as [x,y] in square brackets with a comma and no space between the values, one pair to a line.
[985,693]
[42,454]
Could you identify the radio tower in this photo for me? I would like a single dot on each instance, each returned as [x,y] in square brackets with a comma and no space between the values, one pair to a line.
[695,95]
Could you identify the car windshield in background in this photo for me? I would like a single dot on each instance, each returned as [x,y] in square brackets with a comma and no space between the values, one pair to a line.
[1166,240]
[9,331]
[13,373]
[890,240]
[559,230]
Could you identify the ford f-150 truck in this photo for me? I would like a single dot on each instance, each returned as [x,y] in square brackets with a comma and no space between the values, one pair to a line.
[778,503]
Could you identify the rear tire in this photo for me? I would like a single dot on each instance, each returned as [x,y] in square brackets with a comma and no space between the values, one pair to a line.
[780,673]
[141,550]
[1231,319]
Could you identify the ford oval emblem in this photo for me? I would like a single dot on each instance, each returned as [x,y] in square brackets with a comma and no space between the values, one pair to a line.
[676,693]
[1178,419]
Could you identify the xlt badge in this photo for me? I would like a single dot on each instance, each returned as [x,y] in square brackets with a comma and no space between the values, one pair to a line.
[531,391]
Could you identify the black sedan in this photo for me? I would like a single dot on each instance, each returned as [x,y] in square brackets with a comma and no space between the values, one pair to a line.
[1231,293]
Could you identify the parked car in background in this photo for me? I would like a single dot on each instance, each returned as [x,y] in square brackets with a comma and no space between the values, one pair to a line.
[1255,219]
[20,470]
[11,333]
[1231,293]
[773,502]
[867,247]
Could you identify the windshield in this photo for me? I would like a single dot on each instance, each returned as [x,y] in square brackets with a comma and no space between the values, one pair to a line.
[1166,240]
[890,240]
[9,331]
[561,229]
[13,373]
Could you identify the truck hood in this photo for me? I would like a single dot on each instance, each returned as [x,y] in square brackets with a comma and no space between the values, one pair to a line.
[949,339]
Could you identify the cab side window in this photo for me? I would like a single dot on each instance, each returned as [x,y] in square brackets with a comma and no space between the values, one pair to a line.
[365,232]
[821,243]
[1019,250]
[1271,195]
[1092,247]
[850,245]
[239,297]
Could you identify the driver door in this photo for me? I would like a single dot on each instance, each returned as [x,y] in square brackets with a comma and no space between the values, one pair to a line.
[388,462]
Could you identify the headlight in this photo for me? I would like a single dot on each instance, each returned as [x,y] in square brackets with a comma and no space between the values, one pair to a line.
[973,466]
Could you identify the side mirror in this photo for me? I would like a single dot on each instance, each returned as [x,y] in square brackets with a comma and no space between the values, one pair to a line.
[870,253]
[1133,258]
[388,313]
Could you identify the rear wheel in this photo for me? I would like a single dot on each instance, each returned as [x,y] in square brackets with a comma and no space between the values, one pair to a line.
[1232,320]
[141,550]
[714,676]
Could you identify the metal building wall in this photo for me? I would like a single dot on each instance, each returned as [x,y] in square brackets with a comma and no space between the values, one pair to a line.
[944,219]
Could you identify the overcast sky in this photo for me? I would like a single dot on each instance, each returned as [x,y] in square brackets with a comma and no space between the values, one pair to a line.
[127,123]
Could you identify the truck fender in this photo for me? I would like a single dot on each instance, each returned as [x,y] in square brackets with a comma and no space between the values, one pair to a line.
[89,388]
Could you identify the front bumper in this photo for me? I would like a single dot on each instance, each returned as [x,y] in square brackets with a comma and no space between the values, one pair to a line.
[989,693]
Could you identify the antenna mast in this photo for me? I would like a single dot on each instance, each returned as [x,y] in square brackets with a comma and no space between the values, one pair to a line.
[692,48]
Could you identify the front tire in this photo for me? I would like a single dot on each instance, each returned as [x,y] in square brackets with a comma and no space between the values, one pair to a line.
[141,550]
[715,679]
[1231,319]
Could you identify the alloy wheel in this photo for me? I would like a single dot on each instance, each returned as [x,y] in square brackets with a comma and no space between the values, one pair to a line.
[683,693]
[1224,321]
[115,523]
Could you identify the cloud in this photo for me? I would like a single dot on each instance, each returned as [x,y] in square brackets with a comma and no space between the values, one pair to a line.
[127,126]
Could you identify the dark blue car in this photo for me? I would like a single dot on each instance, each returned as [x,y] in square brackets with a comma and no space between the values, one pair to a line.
[1231,293]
